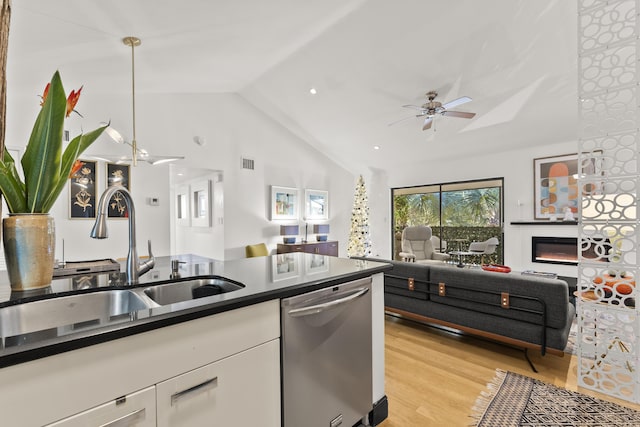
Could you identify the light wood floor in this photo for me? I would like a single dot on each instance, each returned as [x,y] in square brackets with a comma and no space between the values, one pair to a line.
[433,377]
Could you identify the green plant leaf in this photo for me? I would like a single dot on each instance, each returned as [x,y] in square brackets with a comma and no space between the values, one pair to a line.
[75,148]
[41,160]
[11,186]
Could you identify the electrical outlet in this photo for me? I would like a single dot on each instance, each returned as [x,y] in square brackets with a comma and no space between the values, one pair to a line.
[153,201]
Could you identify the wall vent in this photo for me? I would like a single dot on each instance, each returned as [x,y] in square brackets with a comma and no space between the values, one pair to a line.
[248,163]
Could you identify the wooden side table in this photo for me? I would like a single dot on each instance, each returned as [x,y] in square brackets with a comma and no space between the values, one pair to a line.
[329,247]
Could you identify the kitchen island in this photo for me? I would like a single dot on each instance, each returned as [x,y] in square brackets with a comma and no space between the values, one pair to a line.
[138,365]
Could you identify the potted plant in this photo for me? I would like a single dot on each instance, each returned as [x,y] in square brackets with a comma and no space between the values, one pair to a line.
[28,232]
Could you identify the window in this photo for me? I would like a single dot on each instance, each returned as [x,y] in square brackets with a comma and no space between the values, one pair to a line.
[459,211]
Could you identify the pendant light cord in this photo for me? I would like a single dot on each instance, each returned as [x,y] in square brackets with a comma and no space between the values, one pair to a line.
[133,103]
[133,42]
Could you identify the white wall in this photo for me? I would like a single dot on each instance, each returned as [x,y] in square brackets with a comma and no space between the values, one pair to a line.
[166,125]
[187,237]
[517,169]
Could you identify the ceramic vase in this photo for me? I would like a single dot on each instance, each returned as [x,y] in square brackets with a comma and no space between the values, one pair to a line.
[29,250]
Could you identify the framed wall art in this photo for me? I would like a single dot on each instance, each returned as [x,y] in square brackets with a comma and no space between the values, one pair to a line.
[118,174]
[201,203]
[183,211]
[284,203]
[316,204]
[82,191]
[555,185]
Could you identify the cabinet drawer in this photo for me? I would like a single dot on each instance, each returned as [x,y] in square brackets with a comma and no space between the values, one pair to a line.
[332,249]
[136,409]
[240,390]
[316,248]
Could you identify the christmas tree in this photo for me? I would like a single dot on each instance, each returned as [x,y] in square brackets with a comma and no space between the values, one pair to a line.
[359,240]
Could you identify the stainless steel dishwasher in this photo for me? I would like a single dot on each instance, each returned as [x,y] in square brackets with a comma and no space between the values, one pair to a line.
[326,356]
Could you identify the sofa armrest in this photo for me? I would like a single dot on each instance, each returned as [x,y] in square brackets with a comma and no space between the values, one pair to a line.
[440,256]
[407,256]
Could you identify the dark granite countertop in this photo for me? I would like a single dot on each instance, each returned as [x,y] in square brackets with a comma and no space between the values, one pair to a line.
[264,278]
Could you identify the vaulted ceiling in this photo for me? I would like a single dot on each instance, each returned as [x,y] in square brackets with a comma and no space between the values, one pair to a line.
[517,60]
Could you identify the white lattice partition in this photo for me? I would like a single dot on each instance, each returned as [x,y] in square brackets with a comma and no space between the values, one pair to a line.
[608,77]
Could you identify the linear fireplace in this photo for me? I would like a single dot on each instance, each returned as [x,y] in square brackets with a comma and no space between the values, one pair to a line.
[562,250]
[554,250]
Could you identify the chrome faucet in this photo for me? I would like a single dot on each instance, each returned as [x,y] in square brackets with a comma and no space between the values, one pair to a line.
[135,268]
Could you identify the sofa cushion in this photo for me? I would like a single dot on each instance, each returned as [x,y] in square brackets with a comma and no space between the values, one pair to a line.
[480,290]
[514,328]
[397,280]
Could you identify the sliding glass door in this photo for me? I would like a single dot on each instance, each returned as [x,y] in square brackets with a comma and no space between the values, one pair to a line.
[458,212]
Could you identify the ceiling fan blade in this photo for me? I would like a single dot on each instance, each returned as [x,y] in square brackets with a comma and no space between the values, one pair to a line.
[456,102]
[427,123]
[461,114]
[416,107]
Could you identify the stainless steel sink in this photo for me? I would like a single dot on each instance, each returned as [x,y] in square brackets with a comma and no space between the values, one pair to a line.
[190,289]
[71,313]
[69,310]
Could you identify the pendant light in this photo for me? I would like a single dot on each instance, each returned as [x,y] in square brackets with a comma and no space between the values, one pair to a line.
[136,153]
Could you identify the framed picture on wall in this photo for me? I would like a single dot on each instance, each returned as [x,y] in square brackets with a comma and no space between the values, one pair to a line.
[183,207]
[82,191]
[316,204]
[201,203]
[284,203]
[555,185]
[118,174]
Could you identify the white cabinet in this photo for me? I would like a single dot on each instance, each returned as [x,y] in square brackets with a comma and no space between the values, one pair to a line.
[236,391]
[242,343]
[134,410]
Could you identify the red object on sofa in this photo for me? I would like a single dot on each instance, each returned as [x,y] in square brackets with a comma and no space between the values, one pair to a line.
[496,267]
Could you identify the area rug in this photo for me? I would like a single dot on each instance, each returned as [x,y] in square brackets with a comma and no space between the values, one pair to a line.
[514,400]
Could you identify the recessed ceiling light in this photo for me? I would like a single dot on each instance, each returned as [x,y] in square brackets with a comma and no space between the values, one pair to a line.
[376,147]
[313,91]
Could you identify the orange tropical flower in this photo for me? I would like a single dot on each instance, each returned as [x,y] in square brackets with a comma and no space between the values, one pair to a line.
[76,167]
[44,94]
[72,100]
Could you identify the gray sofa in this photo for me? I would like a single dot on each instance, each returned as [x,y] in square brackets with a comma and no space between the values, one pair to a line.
[529,312]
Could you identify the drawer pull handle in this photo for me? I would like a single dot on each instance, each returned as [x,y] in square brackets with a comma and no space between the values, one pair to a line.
[319,308]
[127,420]
[179,395]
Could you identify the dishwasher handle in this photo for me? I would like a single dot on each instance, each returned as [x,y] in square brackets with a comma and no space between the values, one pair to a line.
[319,308]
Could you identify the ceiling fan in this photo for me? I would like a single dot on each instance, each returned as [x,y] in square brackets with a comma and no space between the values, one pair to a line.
[432,107]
